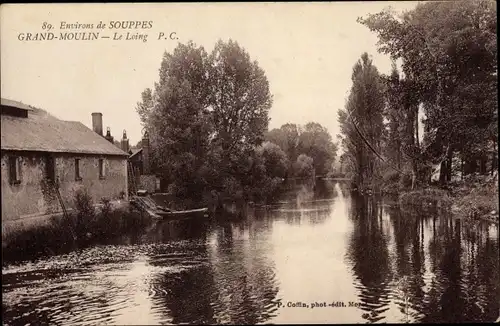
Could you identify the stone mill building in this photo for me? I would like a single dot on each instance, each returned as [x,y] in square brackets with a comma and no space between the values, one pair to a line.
[38,150]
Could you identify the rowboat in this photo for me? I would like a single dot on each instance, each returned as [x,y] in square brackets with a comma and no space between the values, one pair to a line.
[148,205]
[200,212]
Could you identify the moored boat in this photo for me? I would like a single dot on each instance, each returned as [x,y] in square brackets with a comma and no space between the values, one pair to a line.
[148,205]
[199,212]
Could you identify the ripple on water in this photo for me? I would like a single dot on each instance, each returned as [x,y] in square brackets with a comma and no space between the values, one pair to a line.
[93,285]
[239,275]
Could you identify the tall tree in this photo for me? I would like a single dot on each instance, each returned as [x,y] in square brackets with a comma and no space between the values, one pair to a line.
[239,101]
[181,132]
[239,97]
[176,118]
[393,114]
[448,54]
[144,107]
[205,117]
[361,123]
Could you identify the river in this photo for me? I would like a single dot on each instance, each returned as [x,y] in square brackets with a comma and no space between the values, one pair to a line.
[315,257]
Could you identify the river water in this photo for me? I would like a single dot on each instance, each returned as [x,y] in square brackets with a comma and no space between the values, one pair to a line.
[315,257]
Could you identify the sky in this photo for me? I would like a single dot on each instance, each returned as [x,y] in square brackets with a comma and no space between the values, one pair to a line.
[307,51]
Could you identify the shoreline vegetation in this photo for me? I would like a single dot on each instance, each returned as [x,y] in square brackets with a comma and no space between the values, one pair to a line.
[473,199]
[428,131]
[408,133]
[84,226]
[434,116]
[207,118]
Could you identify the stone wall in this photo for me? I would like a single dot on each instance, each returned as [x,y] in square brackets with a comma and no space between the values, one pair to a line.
[32,197]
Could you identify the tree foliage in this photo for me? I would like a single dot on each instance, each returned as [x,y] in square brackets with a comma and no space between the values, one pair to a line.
[361,122]
[144,107]
[205,116]
[239,96]
[287,138]
[270,165]
[447,52]
[303,167]
[181,132]
[316,142]
[313,140]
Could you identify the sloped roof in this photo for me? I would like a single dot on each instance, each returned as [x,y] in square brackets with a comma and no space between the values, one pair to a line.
[15,104]
[43,132]
[135,151]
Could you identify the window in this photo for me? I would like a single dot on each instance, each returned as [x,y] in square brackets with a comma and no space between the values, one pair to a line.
[102,169]
[78,177]
[50,168]
[15,170]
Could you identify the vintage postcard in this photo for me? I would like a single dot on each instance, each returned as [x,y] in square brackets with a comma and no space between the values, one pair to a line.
[249,163]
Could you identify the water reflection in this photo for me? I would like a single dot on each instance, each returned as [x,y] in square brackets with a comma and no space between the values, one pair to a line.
[245,278]
[370,263]
[316,244]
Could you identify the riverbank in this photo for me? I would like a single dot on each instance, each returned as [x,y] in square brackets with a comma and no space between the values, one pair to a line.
[87,224]
[426,198]
[474,198]
[336,244]
[82,227]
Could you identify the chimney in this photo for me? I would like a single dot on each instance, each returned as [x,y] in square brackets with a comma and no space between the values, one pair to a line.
[146,169]
[97,122]
[124,142]
[108,135]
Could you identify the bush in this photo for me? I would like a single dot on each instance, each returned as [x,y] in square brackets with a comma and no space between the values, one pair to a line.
[405,181]
[391,182]
[392,176]
[476,197]
[304,167]
[426,197]
[85,212]
[106,207]
[232,188]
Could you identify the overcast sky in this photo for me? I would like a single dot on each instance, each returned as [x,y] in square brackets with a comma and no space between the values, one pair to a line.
[306,50]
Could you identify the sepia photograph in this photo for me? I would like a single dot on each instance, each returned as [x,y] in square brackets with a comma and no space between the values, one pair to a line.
[249,163]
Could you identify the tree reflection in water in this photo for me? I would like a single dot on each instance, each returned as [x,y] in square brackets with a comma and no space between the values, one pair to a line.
[232,283]
[404,266]
[437,269]
[368,254]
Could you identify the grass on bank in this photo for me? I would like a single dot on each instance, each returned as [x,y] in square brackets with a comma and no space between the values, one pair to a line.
[477,197]
[83,226]
[424,198]
[474,197]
